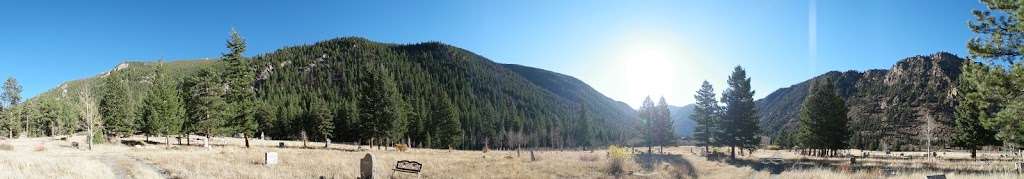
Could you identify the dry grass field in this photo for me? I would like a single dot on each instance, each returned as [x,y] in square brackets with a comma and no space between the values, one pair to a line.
[227,159]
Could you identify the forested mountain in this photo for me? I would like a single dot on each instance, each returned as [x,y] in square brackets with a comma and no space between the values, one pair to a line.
[898,107]
[431,94]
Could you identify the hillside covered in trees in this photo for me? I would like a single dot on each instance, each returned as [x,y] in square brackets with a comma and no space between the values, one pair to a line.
[900,107]
[352,89]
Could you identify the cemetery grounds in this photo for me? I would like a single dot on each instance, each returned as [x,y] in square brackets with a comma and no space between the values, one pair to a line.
[53,157]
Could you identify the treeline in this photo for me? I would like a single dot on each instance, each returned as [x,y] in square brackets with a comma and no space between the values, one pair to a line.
[345,90]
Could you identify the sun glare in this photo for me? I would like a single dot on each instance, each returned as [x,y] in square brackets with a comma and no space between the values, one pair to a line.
[649,65]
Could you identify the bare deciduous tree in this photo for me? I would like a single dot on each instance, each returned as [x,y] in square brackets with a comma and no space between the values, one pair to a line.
[90,114]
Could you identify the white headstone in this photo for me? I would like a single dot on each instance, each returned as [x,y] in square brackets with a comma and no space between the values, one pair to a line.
[270,158]
[206,143]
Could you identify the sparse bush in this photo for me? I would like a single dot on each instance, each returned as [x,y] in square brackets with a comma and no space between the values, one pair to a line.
[401,147]
[618,152]
[618,156]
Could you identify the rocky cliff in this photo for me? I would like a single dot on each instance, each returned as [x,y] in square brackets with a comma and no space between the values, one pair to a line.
[899,108]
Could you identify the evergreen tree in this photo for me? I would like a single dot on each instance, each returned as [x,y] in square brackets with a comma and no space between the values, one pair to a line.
[999,36]
[705,114]
[997,101]
[648,114]
[240,96]
[9,99]
[973,108]
[114,108]
[584,135]
[381,112]
[206,105]
[823,119]
[448,130]
[11,95]
[664,135]
[739,120]
[163,112]
[324,120]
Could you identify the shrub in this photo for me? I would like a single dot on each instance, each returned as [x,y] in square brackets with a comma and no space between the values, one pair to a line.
[618,156]
[401,147]
[618,152]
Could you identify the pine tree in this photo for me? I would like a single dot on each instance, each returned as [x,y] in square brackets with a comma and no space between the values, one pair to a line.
[974,107]
[240,96]
[739,121]
[705,114]
[114,108]
[584,135]
[448,130]
[999,37]
[648,113]
[381,112]
[324,121]
[997,103]
[163,112]
[823,120]
[9,99]
[664,135]
[206,105]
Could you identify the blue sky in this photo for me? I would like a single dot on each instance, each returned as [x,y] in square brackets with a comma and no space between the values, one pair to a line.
[625,49]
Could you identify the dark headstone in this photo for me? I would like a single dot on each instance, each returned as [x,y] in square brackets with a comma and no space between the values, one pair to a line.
[853,160]
[937,176]
[366,167]
[280,144]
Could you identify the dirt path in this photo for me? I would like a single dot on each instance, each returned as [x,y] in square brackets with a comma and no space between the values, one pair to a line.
[125,167]
[113,157]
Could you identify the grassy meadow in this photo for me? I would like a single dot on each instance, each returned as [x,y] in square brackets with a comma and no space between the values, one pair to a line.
[56,158]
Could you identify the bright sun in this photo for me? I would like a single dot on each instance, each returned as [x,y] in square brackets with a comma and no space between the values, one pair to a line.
[649,66]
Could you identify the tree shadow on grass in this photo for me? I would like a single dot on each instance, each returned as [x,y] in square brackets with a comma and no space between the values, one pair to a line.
[680,165]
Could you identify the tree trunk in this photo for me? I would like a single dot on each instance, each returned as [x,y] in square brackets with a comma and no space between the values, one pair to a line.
[167,140]
[188,139]
[732,152]
[327,142]
[246,136]
[89,138]
[974,152]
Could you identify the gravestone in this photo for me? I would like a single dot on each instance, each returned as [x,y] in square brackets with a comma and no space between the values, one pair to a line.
[853,160]
[280,144]
[366,167]
[942,176]
[532,157]
[206,143]
[1020,167]
[270,159]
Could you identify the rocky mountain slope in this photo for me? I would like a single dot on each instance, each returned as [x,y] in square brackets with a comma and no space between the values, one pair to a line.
[899,108]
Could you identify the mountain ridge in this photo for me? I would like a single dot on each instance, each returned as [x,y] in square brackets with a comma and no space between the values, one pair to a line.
[889,107]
